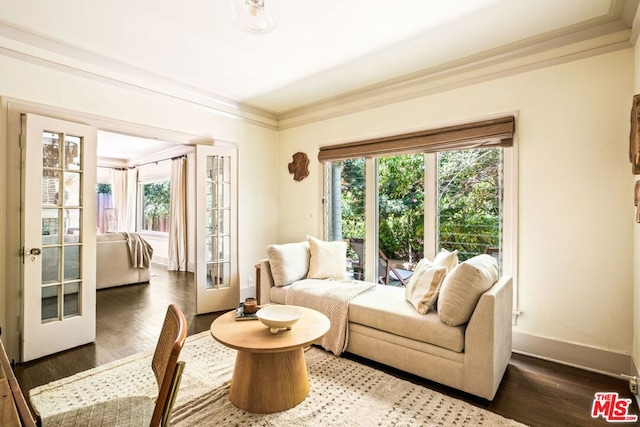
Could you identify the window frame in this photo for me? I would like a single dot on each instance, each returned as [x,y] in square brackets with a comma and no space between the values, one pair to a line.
[509,239]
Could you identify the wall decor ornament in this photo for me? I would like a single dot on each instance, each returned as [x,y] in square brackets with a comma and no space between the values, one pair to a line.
[299,167]
[634,136]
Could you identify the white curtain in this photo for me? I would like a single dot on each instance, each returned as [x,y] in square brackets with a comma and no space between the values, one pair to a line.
[132,200]
[123,189]
[178,216]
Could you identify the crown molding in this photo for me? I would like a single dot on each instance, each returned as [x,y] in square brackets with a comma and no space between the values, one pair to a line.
[608,33]
[613,31]
[26,45]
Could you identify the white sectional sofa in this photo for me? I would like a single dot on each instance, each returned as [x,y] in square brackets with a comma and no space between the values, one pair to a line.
[113,263]
[384,326]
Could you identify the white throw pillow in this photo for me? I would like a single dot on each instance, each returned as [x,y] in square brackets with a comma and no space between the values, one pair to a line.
[446,259]
[424,285]
[328,259]
[289,262]
[463,286]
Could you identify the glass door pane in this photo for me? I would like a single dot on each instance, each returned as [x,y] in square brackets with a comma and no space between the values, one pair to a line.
[470,201]
[61,226]
[218,222]
[400,216]
[346,210]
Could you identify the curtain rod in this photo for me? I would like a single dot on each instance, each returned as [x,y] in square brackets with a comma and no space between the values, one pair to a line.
[143,164]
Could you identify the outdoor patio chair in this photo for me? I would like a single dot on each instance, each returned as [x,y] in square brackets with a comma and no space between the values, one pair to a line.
[358,266]
[388,272]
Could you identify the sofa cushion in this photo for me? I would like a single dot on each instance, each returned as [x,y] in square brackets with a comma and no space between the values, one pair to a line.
[424,285]
[386,309]
[463,286]
[289,262]
[328,259]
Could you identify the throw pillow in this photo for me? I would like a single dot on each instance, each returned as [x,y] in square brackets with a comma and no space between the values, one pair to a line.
[289,262]
[463,286]
[447,259]
[424,285]
[328,259]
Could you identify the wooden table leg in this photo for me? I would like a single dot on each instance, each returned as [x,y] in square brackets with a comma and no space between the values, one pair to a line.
[264,383]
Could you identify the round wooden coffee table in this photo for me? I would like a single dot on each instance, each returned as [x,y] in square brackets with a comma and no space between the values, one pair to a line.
[270,373]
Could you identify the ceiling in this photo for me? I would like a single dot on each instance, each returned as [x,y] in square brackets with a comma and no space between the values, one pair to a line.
[115,146]
[319,53]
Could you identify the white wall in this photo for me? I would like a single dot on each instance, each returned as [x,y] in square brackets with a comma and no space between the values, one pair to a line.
[636,253]
[257,147]
[575,195]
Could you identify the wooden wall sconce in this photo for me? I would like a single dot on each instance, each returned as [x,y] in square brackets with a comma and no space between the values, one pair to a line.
[299,167]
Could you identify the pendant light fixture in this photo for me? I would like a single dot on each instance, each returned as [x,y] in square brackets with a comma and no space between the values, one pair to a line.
[255,16]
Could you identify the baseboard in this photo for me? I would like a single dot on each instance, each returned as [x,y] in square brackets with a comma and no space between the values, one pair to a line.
[579,356]
[161,260]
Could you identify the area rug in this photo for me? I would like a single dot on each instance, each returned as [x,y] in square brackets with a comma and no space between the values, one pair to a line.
[343,393]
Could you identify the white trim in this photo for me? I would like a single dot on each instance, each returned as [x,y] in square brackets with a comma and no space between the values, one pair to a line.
[510,216]
[607,33]
[38,49]
[430,208]
[592,359]
[371,220]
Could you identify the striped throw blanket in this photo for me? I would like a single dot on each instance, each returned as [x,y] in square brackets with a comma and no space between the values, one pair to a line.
[330,298]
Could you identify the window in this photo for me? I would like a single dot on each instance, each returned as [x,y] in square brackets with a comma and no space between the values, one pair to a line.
[155,203]
[105,214]
[469,208]
[401,207]
[346,219]
[409,205]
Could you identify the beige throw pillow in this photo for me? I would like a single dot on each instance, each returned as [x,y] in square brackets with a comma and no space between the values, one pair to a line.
[328,259]
[447,259]
[424,285]
[289,262]
[463,286]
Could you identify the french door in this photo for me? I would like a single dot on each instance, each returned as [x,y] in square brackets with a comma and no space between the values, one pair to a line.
[217,284]
[58,235]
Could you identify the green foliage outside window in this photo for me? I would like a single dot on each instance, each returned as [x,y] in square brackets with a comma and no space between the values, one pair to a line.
[103,188]
[469,197]
[401,206]
[155,205]
[353,197]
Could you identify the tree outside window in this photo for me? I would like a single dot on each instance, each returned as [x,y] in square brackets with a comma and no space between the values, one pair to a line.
[155,205]
[105,215]
[468,207]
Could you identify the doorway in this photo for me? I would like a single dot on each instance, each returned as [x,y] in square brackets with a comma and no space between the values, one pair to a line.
[14,314]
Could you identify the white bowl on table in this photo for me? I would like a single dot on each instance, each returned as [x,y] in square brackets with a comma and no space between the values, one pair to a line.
[278,317]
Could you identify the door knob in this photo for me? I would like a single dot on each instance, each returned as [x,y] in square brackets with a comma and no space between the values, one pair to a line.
[35,251]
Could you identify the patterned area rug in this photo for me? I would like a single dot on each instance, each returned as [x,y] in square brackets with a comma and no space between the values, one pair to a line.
[343,392]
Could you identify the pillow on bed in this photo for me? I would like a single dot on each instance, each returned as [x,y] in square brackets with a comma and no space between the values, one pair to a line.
[328,259]
[424,285]
[289,262]
[463,286]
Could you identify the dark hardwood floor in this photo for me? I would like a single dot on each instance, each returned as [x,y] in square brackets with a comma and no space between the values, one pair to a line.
[534,392]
